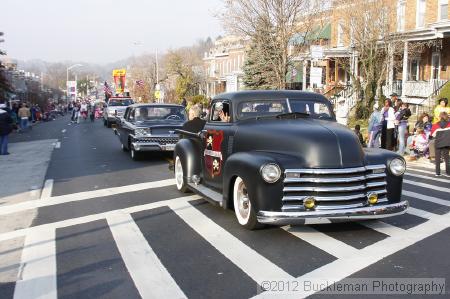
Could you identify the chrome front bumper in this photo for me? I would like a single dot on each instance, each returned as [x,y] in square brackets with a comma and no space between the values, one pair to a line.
[152,146]
[363,213]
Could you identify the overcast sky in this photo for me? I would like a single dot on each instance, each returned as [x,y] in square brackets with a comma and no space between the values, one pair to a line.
[101,31]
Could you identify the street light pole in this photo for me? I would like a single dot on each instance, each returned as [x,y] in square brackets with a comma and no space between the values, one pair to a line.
[67,78]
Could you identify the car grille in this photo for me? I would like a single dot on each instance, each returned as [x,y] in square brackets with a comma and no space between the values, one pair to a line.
[333,188]
[159,140]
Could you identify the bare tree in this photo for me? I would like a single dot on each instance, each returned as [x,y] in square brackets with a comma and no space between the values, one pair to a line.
[283,18]
[369,27]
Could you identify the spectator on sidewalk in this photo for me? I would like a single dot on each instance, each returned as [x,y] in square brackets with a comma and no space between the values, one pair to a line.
[442,107]
[360,136]
[441,133]
[388,126]
[5,128]
[374,126]
[24,114]
[402,117]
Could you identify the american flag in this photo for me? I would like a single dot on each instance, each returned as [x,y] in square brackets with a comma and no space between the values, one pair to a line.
[140,83]
[107,88]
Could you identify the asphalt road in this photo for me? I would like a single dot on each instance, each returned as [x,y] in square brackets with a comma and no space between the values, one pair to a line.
[115,228]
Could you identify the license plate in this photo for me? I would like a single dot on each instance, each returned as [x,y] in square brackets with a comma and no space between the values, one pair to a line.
[169,147]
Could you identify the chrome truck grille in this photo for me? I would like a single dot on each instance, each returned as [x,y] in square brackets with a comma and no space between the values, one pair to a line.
[333,188]
[160,140]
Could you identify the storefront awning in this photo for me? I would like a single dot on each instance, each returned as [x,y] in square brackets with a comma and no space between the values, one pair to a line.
[316,34]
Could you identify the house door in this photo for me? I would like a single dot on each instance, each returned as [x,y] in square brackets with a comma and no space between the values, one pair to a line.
[435,66]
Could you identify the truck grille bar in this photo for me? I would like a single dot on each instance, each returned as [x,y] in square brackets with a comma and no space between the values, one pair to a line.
[333,188]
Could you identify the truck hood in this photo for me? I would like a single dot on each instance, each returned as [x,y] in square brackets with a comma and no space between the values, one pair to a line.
[316,143]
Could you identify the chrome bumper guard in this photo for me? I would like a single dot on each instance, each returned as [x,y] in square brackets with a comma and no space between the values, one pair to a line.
[152,146]
[363,213]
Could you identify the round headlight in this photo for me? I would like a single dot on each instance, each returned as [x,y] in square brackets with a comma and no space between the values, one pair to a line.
[271,173]
[397,166]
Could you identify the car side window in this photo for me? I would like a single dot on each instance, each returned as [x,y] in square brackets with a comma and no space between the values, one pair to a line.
[220,112]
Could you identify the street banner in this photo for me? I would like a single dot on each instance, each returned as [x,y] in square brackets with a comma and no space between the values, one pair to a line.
[119,79]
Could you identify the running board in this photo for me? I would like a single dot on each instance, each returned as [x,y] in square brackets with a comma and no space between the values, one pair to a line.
[210,195]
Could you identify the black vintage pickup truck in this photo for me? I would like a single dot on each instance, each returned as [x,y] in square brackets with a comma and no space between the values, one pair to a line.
[279,157]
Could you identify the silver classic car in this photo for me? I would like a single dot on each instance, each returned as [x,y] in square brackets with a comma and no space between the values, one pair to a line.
[149,127]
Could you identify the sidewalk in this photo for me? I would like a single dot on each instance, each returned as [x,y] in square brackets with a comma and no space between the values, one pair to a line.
[22,175]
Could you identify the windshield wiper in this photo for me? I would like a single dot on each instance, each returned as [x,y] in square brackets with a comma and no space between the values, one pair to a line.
[293,115]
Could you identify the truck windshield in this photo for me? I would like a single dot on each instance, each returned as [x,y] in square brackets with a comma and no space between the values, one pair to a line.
[311,107]
[271,108]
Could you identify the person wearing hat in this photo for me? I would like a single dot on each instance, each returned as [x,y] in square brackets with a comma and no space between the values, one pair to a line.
[442,107]
[5,128]
[374,126]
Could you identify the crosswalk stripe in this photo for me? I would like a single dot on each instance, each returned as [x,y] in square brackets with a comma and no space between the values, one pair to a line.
[428,177]
[47,189]
[44,202]
[420,170]
[421,213]
[85,219]
[428,186]
[320,240]
[384,228]
[345,267]
[148,273]
[248,260]
[426,198]
[37,276]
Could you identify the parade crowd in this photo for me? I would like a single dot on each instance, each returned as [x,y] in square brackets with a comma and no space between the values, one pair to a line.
[389,128]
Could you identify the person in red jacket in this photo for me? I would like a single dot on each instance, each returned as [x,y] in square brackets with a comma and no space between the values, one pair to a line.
[441,132]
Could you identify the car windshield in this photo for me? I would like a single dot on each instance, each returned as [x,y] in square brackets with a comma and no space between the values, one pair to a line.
[159,113]
[121,102]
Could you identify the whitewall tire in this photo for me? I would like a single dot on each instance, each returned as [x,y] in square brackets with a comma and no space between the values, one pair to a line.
[243,207]
[179,176]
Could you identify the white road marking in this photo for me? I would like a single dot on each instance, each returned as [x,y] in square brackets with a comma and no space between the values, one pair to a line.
[148,273]
[47,189]
[420,170]
[63,131]
[428,186]
[426,198]
[344,267]
[384,228]
[322,241]
[421,213]
[58,144]
[248,260]
[428,177]
[37,278]
[90,218]
[55,200]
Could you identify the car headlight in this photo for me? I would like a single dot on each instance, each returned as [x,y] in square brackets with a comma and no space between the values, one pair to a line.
[270,172]
[397,166]
[141,132]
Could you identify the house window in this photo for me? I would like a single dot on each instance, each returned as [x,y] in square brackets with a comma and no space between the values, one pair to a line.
[340,32]
[401,9]
[443,10]
[420,16]
[435,66]
[414,70]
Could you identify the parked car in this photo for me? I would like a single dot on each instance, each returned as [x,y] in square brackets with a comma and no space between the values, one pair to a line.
[115,108]
[150,127]
[279,157]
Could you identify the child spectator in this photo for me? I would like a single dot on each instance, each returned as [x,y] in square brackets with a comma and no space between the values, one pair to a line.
[360,136]
[419,144]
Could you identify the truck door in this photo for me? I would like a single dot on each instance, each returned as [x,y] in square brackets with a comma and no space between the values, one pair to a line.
[217,141]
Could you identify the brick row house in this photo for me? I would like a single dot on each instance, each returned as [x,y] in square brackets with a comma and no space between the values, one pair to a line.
[325,60]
